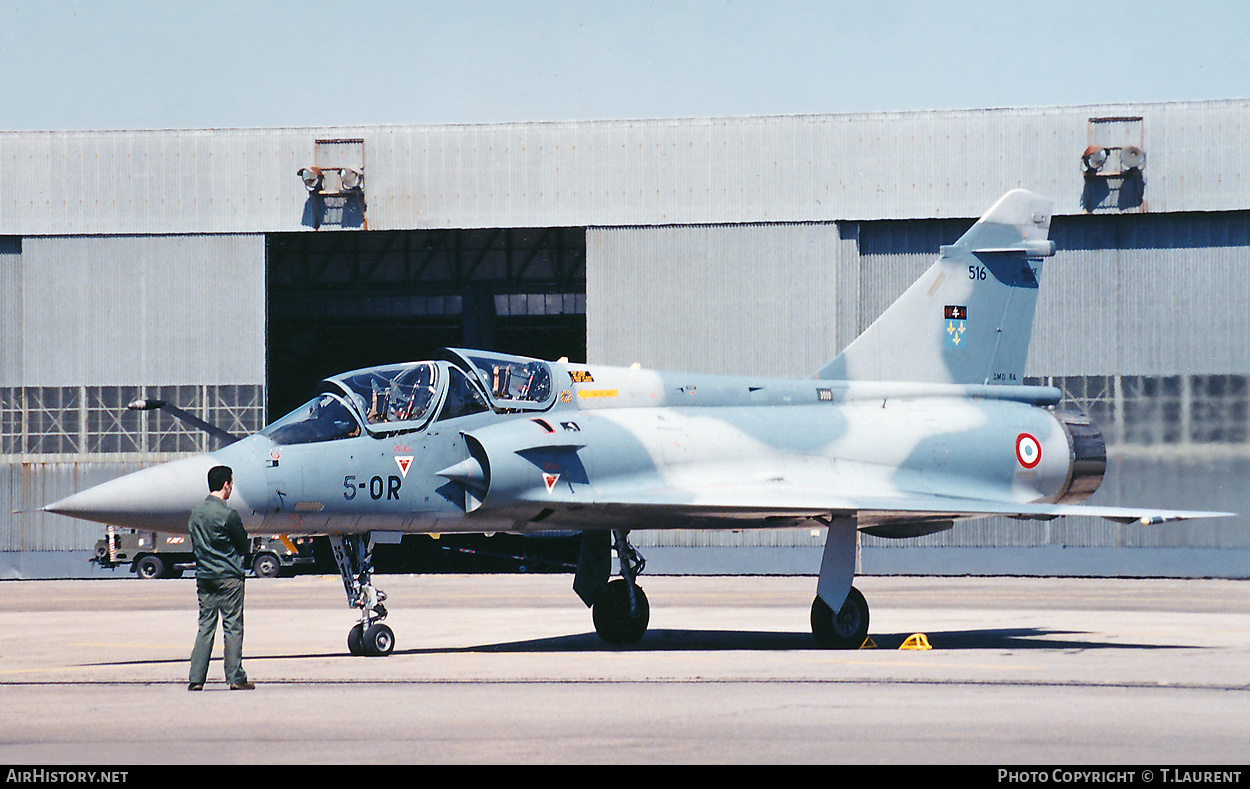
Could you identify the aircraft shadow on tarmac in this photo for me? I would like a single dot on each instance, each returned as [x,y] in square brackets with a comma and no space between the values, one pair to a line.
[659,640]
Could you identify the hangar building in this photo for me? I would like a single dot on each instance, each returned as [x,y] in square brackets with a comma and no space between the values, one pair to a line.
[198,267]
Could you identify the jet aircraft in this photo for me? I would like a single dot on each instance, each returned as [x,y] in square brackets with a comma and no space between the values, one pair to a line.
[922,421]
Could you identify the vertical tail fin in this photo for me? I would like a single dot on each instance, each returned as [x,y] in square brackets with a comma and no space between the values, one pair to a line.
[968,319]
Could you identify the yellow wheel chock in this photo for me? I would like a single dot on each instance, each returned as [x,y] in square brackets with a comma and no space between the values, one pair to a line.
[916,641]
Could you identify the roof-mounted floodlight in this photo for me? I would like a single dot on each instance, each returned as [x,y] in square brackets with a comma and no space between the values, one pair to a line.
[1094,158]
[311,176]
[1132,158]
[352,178]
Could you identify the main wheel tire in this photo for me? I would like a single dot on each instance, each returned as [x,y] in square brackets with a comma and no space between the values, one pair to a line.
[379,640]
[150,567]
[266,565]
[848,629]
[614,622]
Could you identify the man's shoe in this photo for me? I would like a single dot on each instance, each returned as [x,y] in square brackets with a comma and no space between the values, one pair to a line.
[196,686]
[243,686]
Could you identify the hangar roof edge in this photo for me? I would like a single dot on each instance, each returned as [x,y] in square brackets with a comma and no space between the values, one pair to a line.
[1095,108]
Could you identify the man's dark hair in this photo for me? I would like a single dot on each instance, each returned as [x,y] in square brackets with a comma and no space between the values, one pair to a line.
[218,476]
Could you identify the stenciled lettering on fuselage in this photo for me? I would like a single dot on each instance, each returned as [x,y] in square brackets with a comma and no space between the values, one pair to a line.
[376,486]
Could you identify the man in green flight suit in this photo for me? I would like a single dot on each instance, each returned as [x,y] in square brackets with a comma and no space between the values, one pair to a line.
[219,543]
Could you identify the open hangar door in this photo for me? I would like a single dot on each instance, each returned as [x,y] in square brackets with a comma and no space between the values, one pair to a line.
[342,300]
[338,301]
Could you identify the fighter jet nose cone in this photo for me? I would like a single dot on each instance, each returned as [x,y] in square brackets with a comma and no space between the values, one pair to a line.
[159,498]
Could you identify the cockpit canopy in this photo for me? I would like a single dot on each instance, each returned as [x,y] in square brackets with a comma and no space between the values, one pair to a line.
[402,398]
[397,393]
[324,418]
[513,382]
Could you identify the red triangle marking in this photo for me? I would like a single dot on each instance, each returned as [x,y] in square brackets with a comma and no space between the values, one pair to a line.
[403,461]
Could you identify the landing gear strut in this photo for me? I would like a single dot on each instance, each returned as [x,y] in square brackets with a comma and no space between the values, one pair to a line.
[354,555]
[621,612]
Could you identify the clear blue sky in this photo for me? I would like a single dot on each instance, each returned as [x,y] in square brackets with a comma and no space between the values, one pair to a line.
[173,64]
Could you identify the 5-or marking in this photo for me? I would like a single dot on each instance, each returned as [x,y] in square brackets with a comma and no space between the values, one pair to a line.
[376,485]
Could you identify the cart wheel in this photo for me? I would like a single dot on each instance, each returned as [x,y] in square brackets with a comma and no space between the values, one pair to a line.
[150,567]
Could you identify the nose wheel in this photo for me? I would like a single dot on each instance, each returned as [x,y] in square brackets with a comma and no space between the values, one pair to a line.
[376,640]
[354,555]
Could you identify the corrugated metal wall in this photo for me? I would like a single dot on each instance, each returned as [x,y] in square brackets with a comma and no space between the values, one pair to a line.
[25,487]
[629,172]
[136,310]
[1139,294]
[1145,295]
[748,299]
[10,305]
[90,323]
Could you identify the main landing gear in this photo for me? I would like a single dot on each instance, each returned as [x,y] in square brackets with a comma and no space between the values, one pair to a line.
[621,613]
[354,555]
[847,628]
[619,608]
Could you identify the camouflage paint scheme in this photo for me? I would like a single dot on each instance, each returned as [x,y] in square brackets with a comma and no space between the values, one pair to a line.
[921,422]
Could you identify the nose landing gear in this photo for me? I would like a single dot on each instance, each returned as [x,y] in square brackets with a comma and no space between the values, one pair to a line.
[354,555]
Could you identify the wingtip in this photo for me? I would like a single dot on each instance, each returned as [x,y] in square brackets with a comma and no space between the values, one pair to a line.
[1169,517]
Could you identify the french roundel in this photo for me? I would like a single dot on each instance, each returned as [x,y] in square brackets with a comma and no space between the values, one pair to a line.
[1028,450]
